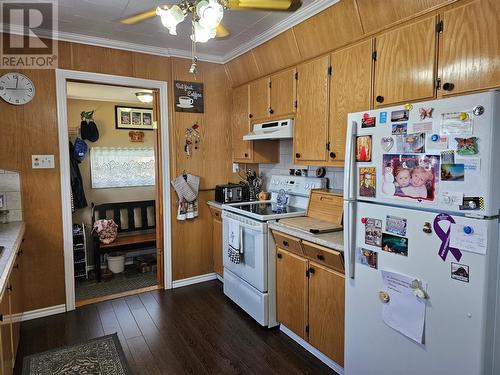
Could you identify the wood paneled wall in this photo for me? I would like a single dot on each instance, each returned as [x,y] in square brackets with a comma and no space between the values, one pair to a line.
[32,129]
[341,24]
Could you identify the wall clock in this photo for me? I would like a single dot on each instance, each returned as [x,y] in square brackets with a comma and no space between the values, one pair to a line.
[16,88]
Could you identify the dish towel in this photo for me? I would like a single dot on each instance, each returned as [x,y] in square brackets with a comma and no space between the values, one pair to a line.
[234,248]
[186,186]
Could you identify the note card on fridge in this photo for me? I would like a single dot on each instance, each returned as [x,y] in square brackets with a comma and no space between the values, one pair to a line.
[473,238]
[404,304]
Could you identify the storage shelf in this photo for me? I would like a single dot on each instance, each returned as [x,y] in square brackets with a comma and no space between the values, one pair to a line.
[80,251]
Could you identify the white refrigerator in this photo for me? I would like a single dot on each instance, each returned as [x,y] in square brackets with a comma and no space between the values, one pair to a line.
[421,205]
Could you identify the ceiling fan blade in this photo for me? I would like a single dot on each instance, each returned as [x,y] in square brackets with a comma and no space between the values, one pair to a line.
[139,17]
[221,31]
[267,5]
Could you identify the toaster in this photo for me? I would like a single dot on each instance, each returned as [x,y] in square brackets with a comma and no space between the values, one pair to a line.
[231,193]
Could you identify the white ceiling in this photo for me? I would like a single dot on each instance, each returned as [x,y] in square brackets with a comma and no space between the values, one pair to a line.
[106,93]
[97,22]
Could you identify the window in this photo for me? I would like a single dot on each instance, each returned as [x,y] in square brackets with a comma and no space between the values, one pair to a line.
[122,167]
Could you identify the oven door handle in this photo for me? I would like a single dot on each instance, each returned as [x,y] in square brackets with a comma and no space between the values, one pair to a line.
[241,239]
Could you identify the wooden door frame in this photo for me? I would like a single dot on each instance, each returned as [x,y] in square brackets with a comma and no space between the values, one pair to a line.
[62,76]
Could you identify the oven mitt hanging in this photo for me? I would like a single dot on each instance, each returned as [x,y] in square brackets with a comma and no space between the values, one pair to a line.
[183,189]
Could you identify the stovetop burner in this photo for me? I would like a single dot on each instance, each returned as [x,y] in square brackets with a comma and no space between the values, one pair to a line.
[267,208]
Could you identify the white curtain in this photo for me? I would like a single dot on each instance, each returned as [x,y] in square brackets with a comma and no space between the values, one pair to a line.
[122,167]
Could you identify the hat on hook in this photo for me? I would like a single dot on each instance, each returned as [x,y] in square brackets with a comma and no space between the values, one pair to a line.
[89,130]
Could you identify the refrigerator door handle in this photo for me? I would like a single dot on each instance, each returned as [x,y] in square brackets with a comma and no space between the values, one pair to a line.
[350,236]
[349,167]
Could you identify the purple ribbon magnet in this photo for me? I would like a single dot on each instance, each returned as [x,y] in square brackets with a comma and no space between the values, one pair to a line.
[445,237]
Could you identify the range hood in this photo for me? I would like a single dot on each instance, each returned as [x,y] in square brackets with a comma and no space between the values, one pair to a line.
[279,129]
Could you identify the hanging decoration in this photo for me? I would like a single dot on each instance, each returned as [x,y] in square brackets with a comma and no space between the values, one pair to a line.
[193,139]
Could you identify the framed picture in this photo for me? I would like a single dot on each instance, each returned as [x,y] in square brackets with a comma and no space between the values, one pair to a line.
[188,97]
[364,148]
[132,118]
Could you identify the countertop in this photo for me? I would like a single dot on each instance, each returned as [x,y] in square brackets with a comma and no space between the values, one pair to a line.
[11,236]
[215,204]
[333,240]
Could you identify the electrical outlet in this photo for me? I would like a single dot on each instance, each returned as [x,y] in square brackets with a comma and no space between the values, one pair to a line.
[42,161]
[236,167]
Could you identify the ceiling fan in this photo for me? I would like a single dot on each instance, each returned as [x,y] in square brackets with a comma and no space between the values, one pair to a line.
[207,14]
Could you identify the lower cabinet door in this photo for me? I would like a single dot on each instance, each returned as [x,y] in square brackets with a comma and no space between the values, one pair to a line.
[6,333]
[326,311]
[291,291]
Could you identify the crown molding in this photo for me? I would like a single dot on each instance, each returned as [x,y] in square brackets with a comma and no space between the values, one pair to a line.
[295,18]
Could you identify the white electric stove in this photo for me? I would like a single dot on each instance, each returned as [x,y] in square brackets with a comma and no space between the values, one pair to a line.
[251,282]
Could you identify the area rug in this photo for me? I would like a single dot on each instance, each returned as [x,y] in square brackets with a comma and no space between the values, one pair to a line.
[100,356]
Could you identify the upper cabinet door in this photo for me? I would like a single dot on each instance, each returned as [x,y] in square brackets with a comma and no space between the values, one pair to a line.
[259,99]
[470,49]
[283,93]
[350,91]
[311,120]
[405,62]
[242,150]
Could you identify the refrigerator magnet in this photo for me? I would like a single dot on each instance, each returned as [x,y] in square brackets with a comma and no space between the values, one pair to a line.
[386,143]
[458,123]
[395,244]
[436,142]
[448,157]
[368,122]
[472,203]
[411,143]
[373,232]
[399,116]
[395,225]
[363,148]
[399,128]
[452,172]
[367,182]
[460,272]
[425,113]
[467,146]
[367,257]
[382,119]
[421,127]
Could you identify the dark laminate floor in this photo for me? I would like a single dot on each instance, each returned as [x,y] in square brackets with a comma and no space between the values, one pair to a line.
[191,330]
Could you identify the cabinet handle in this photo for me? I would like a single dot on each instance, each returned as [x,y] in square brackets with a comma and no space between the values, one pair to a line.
[333,155]
[379,99]
[250,115]
[279,255]
[1,317]
[271,111]
[311,270]
[246,155]
[448,86]
[9,288]
[320,257]
[297,155]
[16,266]
[285,243]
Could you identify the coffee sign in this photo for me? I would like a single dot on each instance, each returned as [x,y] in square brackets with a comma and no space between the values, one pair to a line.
[188,97]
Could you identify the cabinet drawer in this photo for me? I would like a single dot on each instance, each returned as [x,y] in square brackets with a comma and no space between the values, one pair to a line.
[328,257]
[289,243]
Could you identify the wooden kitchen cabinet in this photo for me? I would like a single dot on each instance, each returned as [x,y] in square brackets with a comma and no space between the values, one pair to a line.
[291,291]
[469,48]
[405,63]
[242,150]
[217,240]
[350,91]
[259,99]
[326,311]
[310,295]
[311,120]
[17,306]
[7,361]
[248,151]
[283,94]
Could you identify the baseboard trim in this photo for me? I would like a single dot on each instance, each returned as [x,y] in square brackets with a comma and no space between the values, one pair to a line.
[39,313]
[311,349]
[220,278]
[194,280]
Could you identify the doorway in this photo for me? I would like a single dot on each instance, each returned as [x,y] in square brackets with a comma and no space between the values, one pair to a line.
[131,132]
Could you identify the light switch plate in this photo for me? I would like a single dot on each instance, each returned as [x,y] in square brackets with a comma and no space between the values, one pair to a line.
[42,161]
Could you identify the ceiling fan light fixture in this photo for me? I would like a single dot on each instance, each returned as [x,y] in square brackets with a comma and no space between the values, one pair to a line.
[202,34]
[210,13]
[171,17]
[144,96]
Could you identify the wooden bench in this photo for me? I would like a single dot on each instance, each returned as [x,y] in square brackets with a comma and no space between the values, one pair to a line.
[136,228]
